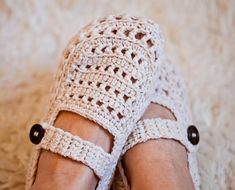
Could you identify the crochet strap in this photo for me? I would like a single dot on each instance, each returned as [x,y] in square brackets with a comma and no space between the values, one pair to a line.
[159,128]
[58,141]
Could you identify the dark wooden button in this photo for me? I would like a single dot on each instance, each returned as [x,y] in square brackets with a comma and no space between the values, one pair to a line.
[193,135]
[36,133]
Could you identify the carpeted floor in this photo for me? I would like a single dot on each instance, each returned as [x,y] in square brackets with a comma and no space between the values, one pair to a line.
[200,39]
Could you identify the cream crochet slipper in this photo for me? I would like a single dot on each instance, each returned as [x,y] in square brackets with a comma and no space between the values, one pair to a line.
[170,93]
[105,75]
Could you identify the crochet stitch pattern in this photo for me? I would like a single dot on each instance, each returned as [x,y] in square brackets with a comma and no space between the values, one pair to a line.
[105,75]
[169,92]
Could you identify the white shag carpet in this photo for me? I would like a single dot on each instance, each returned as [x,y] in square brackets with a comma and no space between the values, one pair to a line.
[200,39]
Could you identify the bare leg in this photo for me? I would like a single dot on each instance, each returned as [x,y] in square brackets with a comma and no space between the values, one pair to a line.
[58,173]
[158,164]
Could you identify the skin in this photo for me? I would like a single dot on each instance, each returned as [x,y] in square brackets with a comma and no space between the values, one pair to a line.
[164,165]
[158,164]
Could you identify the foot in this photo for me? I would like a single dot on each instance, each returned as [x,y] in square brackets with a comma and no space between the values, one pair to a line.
[158,164]
[56,172]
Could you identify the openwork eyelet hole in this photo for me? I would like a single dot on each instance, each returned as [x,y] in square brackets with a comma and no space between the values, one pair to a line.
[114,31]
[89,99]
[99,103]
[124,51]
[88,66]
[93,50]
[149,43]
[115,70]
[127,32]
[103,49]
[140,61]
[110,109]
[101,32]
[125,97]
[114,49]
[98,84]
[139,35]
[133,80]
[124,74]
[120,116]
[106,68]
[116,92]
[133,55]
[107,88]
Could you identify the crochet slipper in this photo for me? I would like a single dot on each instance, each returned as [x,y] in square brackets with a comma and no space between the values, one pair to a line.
[170,93]
[105,75]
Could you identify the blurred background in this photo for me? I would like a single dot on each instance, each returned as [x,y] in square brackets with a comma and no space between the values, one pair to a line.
[200,39]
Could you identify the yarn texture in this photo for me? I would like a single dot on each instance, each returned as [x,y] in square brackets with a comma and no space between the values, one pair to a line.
[106,75]
[200,40]
[170,92]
